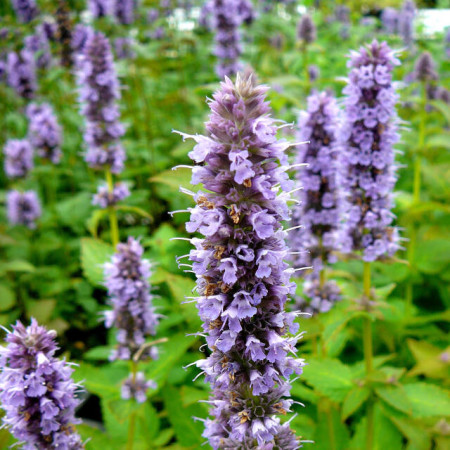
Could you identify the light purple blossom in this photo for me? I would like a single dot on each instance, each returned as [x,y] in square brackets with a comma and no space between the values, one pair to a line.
[126,278]
[124,48]
[80,36]
[318,299]
[368,136]
[38,44]
[124,11]
[99,92]
[242,279]
[36,390]
[23,208]
[425,68]
[406,22]
[390,19]
[306,30]
[101,8]
[136,387]
[18,158]
[105,199]
[26,10]
[21,73]
[44,132]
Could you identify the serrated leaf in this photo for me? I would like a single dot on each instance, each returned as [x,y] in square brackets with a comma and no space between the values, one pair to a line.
[330,377]
[416,435]
[396,397]
[428,400]
[429,359]
[94,253]
[355,398]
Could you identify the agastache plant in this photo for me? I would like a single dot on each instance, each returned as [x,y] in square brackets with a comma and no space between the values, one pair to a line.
[243,282]
[316,242]
[126,279]
[101,8]
[124,11]
[23,208]
[104,198]
[406,22]
[306,33]
[21,73]
[36,390]
[26,10]
[18,158]
[38,44]
[44,132]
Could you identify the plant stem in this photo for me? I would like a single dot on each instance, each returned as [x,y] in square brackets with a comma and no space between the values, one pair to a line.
[331,429]
[132,425]
[305,68]
[368,354]
[322,278]
[112,211]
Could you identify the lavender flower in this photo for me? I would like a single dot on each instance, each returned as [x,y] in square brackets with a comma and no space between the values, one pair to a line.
[44,132]
[126,278]
[23,208]
[38,44]
[21,71]
[389,19]
[406,22]
[425,68]
[136,387]
[242,279]
[124,48]
[318,299]
[313,72]
[99,90]
[306,30]
[105,199]
[101,8]
[320,198]
[124,11]
[26,10]
[369,133]
[80,36]
[18,158]
[36,390]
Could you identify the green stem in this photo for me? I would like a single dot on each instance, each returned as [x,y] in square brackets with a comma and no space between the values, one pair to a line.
[322,278]
[132,425]
[331,429]
[305,68]
[112,211]
[368,353]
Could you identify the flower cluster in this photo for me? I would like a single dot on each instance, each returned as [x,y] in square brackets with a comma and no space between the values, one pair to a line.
[318,298]
[21,73]
[23,208]
[136,387]
[99,90]
[44,132]
[306,30]
[105,199]
[320,202]
[26,10]
[80,36]
[36,390]
[101,8]
[389,20]
[124,48]
[425,68]
[369,133]
[126,278]
[242,280]
[124,11]
[38,44]
[18,158]
[406,22]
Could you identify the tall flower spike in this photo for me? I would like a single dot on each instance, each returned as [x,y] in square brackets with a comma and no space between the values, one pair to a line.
[389,20]
[320,197]
[23,208]
[242,279]
[306,30]
[99,91]
[101,8]
[21,72]
[44,132]
[425,68]
[124,11]
[37,391]
[38,44]
[369,134]
[406,22]
[26,10]
[18,158]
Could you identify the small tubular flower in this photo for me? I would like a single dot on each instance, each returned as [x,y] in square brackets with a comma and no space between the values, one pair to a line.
[26,10]
[38,44]
[124,11]
[23,208]
[105,199]
[389,20]
[101,8]
[21,73]
[37,391]
[44,132]
[18,158]
[368,136]
[243,282]
[98,92]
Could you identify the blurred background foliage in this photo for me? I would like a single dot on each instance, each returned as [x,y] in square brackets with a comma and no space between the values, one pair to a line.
[52,273]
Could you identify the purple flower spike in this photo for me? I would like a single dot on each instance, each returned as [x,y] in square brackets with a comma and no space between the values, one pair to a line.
[26,10]
[318,299]
[44,132]
[369,134]
[21,70]
[99,91]
[126,278]
[425,68]
[81,34]
[104,199]
[242,280]
[389,20]
[406,22]
[18,158]
[38,44]
[37,391]
[124,48]
[306,30]
[23,208]
[124,11]
[136,387]
[101,8]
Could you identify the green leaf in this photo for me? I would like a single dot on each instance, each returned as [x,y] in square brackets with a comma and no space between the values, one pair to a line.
[396,397]
[16,266]
[94,220]
[187,430]
[7,296]
[418,438]
[429,359]
[331,433]
[94,253]
[355,398]
[101,353]
[434,255]
[330,377]
[135,210]
[428,400]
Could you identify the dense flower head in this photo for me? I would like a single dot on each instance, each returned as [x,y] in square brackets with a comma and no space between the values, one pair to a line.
[18,158]
[406,22]
[23,208]
[80,36]
[320,198]
[21,73]
[37,391]
[104,198]
[313,72]
[99,91]
[306,30]
[425,68]
[26,10]
[44,131]
[124,11]
[126,278]
[369,134]
[38,44]
[242,280]
[136,386]
[101,8]
[389,20]
[318,299]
